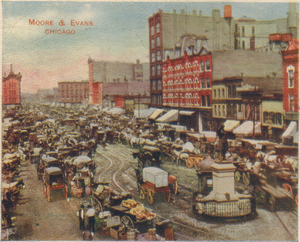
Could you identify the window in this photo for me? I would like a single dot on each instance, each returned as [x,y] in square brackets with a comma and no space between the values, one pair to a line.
[224,113]
[158,69]
[152,43]
[201,66]
[202,83]
[159,101]
[153,70]
[152,57]
[223,93]
[157,27]
[152,30]
[229,91]
[158,41]
[207,65]
[253,30]
[154,99]
[219,93]
[207,83]
[215,93]
[158,56]
[159,84]
[291,78]
[215,110]
[203,101]
[291,101]
[243,44]
[153,85]
[219,110]
[208,101]
[243,31]
[278,116]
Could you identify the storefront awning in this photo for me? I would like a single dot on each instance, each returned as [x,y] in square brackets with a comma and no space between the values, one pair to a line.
[169,117]
[156,113]
[144,113]
[291,130]
[231,125]
[186,113]
[246,128]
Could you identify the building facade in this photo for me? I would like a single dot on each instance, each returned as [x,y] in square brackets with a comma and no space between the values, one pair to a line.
[11,88]
[73,91]
[116,74]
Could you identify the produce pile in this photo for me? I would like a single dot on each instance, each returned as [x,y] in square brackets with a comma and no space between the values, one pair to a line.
[138,210]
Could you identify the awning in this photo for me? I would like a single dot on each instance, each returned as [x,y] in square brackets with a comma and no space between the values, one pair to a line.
[144,113]
[291,130]
[210,135]
[169,117]
[231,125]
[246,128]
[156,113]
[187,113]
[296,137]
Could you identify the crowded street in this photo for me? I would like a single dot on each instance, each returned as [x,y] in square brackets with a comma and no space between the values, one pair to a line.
[113,167]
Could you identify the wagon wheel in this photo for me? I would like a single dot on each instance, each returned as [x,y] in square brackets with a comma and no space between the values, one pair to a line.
[189,162]
[150,196]
[142,192]
[246,178]
[167,196]
[147,163]
[127,222]
[288,188]
[197,161]
[237,176]
[296,199]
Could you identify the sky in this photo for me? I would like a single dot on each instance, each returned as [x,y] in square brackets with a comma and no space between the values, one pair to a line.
[119,31]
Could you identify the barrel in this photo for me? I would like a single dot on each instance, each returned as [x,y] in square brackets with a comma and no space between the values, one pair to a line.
[131,235]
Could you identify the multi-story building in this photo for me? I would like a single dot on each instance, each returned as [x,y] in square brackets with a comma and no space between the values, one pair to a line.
[73,91]
[11,88]
[166,28]
[114,72]
[254,34]
[290,59]
[187,76]
[224,34]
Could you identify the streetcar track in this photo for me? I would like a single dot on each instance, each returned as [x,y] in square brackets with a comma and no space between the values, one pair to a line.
[284,225]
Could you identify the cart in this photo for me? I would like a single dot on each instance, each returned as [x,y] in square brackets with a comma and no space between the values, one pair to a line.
[44,162]
[155,180]
[54,181]
[150,156]
[194,160]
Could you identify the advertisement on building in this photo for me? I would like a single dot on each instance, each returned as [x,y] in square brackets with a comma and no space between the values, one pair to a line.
[150,121]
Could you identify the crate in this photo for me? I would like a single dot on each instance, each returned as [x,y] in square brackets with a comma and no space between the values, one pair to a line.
[117,232]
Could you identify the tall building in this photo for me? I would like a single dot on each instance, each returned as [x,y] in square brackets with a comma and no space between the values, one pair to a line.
[224,34]
[165,29]
[11,87]
[187,77]
[115,73]
[290,59]
[73,91]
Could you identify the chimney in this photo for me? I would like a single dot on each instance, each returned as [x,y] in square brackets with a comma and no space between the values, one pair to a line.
[227,11]
[194,12]
[182,11]
[11,68]
[174,11]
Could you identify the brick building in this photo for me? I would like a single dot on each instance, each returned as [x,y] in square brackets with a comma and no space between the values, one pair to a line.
[11,88]
[73,91]
[187,76]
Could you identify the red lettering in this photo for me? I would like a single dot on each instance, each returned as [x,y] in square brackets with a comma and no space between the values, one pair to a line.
[31,22]
[72,23]
[91,23]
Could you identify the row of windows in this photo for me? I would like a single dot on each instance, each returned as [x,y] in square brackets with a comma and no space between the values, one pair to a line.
[188,100]
[10,84]
[188,83]
[155,29]
[220,92]
[191,67]
[158,56]
[157,42]
[156,85]
[156,99]
[219,110]
[271,117]
[156,71]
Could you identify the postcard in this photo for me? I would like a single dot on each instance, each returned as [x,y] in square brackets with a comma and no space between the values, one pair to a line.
[150,120]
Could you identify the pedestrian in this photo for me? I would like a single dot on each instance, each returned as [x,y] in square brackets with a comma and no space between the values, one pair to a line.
[81,217]
[91,218]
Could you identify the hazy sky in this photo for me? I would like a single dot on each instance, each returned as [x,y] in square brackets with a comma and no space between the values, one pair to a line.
[119,32]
